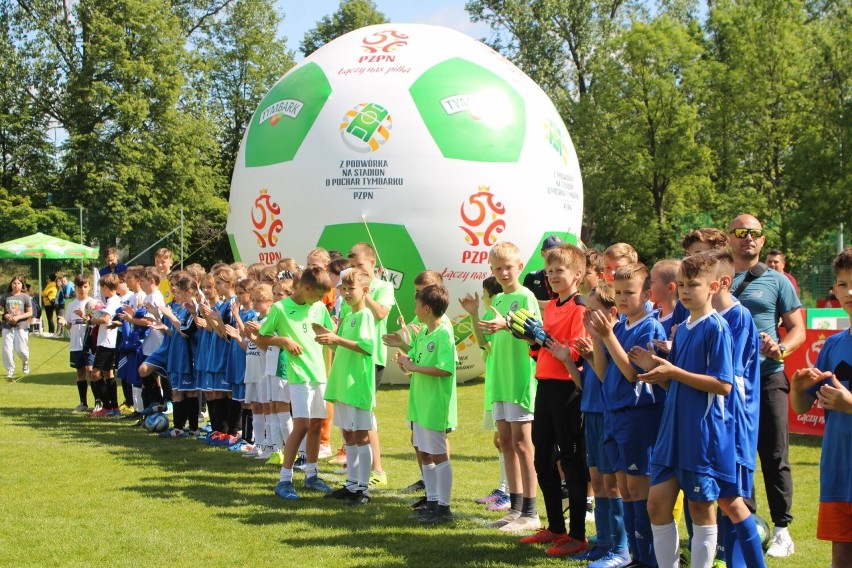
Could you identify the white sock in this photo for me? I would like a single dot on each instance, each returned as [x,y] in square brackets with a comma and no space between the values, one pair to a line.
[137,399]
[273,431]
[303,446]
[286,474]
[286,421]
[703,545]
[666,545]
[311,469]
[258,424]
[504,482]
[365,463]
[430,479]
[445,482]
[351,464]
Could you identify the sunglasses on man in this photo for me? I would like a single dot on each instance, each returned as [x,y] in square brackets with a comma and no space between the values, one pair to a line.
[741,233]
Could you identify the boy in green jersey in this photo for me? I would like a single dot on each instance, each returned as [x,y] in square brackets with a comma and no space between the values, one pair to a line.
[379,301]
[290,325]
[513,385]
[432,399]
[351,384]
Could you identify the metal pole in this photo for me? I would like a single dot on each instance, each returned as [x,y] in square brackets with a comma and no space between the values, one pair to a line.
[181,238]
[840,246]
[81,238]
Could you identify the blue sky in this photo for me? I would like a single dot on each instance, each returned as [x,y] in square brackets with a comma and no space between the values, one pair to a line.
[302,15]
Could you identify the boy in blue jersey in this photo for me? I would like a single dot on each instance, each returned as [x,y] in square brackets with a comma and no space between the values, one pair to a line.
[611,546]
[696,435]
[746,390]
[633,407]
[829,383]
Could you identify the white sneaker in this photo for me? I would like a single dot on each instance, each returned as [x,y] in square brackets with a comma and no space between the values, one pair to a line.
[523,524]
[10,374]
[256,449]
[264,453]
[781,545]
[325,451]
[27,368]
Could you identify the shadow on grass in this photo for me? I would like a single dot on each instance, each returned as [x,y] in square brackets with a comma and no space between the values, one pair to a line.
[243,490]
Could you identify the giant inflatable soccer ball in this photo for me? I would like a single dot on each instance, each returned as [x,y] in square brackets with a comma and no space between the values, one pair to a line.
[419,140]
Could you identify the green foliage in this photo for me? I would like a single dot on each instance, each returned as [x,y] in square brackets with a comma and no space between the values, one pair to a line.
[680,123]
[350,15]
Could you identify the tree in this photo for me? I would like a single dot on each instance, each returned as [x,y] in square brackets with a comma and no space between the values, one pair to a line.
[650,170]
[350,15]
[26,155]
[237,59]
[761,105]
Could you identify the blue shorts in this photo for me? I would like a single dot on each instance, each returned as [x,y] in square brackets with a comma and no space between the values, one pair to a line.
[81,359]
[238,392]
[158,361]
[593,422]
[629,437]
[219,381]
[698,487]
[183,381]
[204,380]
[745,482]
[128,368]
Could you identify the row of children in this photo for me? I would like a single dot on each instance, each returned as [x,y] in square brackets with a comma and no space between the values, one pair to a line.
[670,409]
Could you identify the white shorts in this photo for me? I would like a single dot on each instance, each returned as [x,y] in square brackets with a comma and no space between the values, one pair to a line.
[352,418]
[306,400]
[257,392]
[429,441]
[279,389]
[510,412]
[488,422]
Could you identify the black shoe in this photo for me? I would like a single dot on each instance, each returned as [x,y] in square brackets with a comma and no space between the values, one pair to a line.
[426,510]
[419,504]
[415,487]
[440,515]
[340,493]
[132,416]
[360,497]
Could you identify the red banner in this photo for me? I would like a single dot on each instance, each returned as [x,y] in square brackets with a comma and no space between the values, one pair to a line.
[813,421]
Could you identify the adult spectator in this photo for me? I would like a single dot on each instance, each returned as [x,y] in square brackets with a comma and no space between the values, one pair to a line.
[64,291]
[777,261]
[112,264]
[536,281]
[48,295]
[770,297]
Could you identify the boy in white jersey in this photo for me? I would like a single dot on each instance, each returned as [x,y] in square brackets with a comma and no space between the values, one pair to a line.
[103,382]
[256,385]
[352,384]
[81,357]
[290,325]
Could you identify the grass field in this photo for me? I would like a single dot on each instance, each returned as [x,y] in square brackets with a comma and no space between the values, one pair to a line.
[78,491]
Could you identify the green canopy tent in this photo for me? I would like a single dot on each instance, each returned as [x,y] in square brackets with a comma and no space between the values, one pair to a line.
[41,246]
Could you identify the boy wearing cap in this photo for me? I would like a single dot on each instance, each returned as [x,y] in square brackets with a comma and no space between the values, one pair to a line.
[536,281]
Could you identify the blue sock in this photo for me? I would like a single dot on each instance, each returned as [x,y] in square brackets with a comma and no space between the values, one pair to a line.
[733,552]
[644,534]
[602,523]
[630,528]
[749,544]
[616,524]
